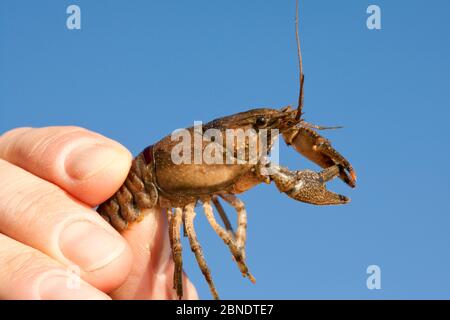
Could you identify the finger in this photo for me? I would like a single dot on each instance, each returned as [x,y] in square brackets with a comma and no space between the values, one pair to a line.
[152,262]
[26,273]
[41,215]
[89,166]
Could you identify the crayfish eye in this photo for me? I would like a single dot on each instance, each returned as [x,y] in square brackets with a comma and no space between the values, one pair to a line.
[261,121]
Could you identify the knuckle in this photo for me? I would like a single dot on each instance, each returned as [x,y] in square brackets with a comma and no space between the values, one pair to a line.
[50,141]
[29,202]
[14,132]
[23,265]
[36,205]
[7,140]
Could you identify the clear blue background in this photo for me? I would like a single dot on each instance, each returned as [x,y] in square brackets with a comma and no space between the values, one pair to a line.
[139,69]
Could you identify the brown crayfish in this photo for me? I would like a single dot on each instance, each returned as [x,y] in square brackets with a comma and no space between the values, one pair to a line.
[156,180]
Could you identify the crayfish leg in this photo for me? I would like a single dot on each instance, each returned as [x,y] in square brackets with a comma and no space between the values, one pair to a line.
[241,232]
[188,219]
[175,240]
[223,216]
[235,250]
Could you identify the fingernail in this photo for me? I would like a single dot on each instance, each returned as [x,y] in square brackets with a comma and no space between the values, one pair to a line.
[90,246]
[86,160]
[58,288]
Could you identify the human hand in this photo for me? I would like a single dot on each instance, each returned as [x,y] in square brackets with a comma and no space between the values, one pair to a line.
[50,179]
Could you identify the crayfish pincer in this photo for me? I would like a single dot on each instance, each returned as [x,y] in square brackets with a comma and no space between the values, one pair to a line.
[219,160]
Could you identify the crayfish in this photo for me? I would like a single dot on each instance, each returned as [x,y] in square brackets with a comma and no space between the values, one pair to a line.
[157,179]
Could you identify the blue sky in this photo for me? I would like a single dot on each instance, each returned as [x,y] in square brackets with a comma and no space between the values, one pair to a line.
[139,69]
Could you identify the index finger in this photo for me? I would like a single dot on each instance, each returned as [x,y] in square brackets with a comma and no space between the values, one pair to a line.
[87,165]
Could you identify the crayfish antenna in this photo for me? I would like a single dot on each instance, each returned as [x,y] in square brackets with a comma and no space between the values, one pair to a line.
[314,126]
[300,65]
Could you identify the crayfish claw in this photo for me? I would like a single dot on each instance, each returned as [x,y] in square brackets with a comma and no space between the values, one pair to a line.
[319,150]
[308,186]
[311,188]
